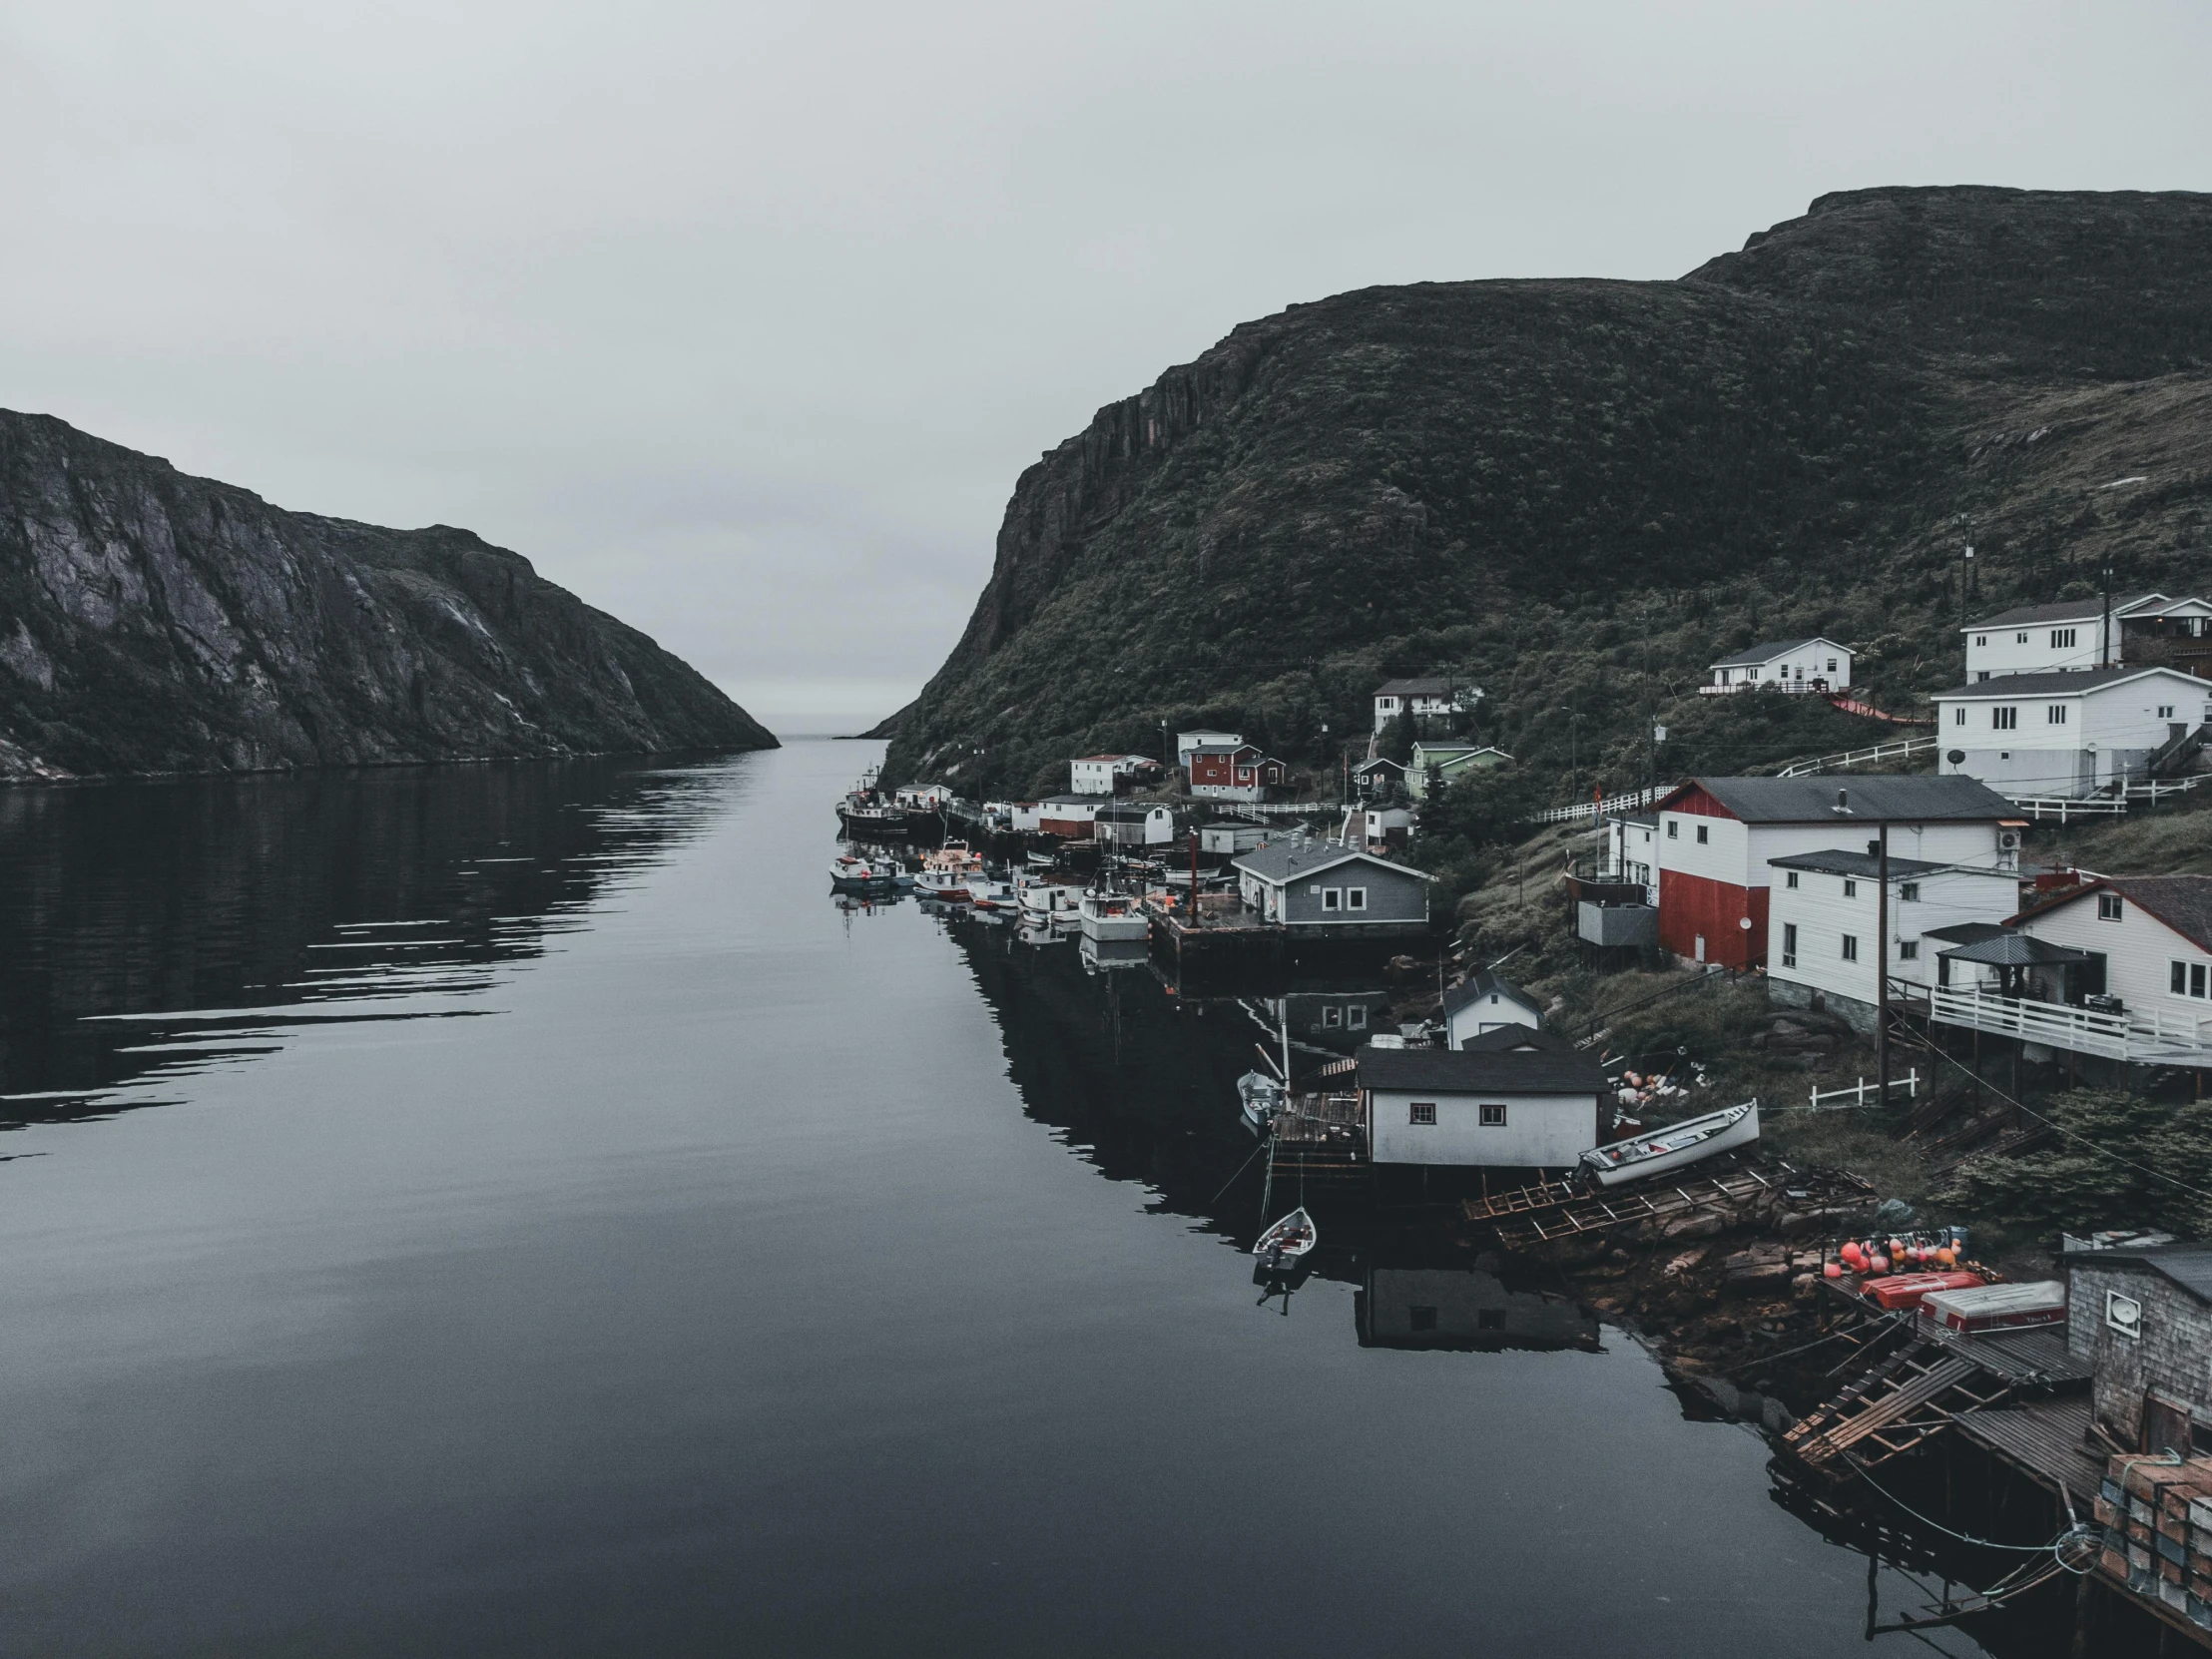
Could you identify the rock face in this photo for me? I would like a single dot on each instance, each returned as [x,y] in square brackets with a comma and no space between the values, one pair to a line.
[153,622]
[1577,494]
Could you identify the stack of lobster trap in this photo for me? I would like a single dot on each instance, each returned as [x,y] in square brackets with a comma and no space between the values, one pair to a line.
[2157,1520]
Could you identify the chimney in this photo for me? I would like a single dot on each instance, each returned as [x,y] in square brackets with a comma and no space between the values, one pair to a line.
[1843,801]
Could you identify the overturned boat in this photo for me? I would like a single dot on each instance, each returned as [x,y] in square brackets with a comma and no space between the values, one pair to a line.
[1674,1146]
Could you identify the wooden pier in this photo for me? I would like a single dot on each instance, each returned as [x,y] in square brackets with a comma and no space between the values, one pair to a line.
[1556,1210]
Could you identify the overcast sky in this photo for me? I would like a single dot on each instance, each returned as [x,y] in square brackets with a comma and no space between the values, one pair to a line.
[742,321]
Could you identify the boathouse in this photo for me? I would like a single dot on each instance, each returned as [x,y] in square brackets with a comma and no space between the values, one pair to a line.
[1492,1108]
[2143,1320]
[1328,887]
[1133,824]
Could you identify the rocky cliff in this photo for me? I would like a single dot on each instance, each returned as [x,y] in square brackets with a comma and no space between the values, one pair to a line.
[1578,493]
[155,621]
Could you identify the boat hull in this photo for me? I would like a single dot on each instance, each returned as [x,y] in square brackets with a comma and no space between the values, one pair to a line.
[1742,1132]
[1105,929]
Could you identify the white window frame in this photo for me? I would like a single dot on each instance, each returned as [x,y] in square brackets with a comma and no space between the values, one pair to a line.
[2005,717]
[1789,945]
[1331,898]
[1704,834]
[1490,1115]
[1909,892]
[1959,715]
[1789,877]
[1908,950]
[2054,714]
[1851,887]
[1414,1114]
[2109,908]
[1355,898]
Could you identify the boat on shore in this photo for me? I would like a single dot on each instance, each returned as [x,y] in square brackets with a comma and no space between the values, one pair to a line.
[1674,1146]
[1287,1241]
[1112,915]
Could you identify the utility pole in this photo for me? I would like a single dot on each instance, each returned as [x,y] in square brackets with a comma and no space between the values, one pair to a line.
[1881,966]
[2104,637]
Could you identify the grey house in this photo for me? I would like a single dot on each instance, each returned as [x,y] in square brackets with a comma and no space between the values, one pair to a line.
[1327,887]
[2143,1319]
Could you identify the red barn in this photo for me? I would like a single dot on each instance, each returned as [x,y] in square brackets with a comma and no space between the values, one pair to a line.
[1241,773]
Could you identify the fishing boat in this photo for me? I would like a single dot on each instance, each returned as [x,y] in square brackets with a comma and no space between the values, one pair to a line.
[869,814]
[993,894]
[1290,1238]
[947,873]
[1674,1146]
[1262,1096]
[1050,906]
[849,873]
[1112,915]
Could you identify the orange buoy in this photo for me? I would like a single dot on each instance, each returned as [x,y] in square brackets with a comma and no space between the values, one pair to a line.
[1833,1270]
[1946,1256]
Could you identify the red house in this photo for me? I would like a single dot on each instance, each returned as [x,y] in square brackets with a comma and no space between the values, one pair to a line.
[1239,774]
[1717,836]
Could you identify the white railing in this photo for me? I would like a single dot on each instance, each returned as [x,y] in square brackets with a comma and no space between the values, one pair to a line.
[1811,687]
[2064,808]
[1596,808]
[1910,1083]
[1859,756]
[2139,1037]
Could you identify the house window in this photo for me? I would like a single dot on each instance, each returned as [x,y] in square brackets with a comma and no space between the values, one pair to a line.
[1851,947]
[2061,636]
[1356,1017]
[1674,829]
[1831,665]
[2054,714]
[1332,1015]
[1789,945]
[1981,639]
[1909,891]
[2020,639]
[1490,1117]
[1704,834]
[2188,979]
[2004,719]
[1908,950]
[1851,887]
[1355,898]
[1789,878]
[2108,906]
[1959,715]
[2165,711]
[1421,1318]
[1421,1111]
[1489,1318]
[1331,898]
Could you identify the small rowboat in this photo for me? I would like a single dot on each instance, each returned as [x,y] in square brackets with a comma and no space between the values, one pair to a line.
[1291,1237]
[1261,1097]
[1674,1146]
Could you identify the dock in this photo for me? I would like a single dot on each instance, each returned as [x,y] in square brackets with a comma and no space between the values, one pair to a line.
[1554,1209]
[1321,1137]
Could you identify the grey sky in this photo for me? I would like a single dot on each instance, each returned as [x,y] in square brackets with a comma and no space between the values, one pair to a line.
[741,321]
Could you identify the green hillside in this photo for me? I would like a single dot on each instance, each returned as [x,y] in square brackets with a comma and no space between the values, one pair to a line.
[1577,494]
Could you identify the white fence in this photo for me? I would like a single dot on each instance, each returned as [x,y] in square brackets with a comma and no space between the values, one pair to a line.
[2139,1037]
[1899,750]
[1598,809]
[1821,1098]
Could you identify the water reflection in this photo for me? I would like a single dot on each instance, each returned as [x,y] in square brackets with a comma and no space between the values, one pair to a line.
[154,931]
[1467,1310]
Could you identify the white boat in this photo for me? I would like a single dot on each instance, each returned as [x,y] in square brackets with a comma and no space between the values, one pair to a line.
[1050,905]
[995,893]
[1262,1096]
[1674,1146]
[947,873]
[850,874]
[1283,1244]
[1112,915]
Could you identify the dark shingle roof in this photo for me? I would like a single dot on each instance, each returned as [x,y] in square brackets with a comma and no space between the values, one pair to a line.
[1415,688]
[2186,1265]
[1482,983]
[1754,655]
[1917,797]
[1478,1071]
[2062,681]
[1517,1036]
[2010,950]
[2067,610]
[2183,903]
[1285,860]
[1965,933]
[1835,861]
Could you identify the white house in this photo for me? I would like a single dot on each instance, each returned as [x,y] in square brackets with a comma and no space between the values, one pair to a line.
[1823,936]
[1717,836]
[1379,825]
[1098,774]
[2119,968]
[1188,743]
[1069,816]
[1631,851]
[1420,697]
[1484,1003]
[1487,1108]
[1816,664]
[2071,636]
[2065,731]
[923,798]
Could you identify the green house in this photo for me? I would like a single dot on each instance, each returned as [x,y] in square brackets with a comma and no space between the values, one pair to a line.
[1440,762]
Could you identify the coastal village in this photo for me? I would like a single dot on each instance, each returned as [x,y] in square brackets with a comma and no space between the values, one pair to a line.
[1760,1052]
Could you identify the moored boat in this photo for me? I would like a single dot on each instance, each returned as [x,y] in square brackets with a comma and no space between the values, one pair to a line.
[947,873]
[1262,1098]
[849,873]
[1674,1146]
[1051,906]
[870,814]
[1112,915]
[1288,1239]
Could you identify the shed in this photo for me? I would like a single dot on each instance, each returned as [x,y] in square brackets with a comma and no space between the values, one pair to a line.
[1483,1003]
[2143,1317]
[1510,1108]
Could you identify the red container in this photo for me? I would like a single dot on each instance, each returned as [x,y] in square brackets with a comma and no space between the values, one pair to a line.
[1905,1290]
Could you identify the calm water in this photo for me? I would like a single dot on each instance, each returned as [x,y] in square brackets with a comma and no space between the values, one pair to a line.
[513,1210]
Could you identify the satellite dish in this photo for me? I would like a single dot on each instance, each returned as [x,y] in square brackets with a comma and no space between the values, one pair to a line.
[1745,924]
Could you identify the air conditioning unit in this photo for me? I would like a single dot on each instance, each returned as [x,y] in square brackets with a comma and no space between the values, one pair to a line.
[2008,840]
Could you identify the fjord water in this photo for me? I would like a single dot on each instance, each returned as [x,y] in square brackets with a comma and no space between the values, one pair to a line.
[513,1210]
